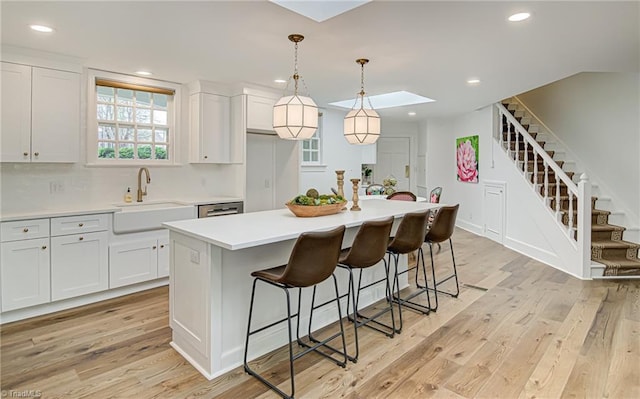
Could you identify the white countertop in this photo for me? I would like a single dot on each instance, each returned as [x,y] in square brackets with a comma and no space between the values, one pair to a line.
[258,228]
[86,209]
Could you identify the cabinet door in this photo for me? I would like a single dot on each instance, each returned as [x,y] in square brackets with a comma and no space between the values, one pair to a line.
[55,121]
[16,113]
[132,262]
[163,257]
[210,128]
[24,273]
[79,264]
[260,114]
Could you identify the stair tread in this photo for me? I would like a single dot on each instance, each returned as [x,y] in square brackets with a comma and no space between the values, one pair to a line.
[613,244]
[625,263]
[606,227]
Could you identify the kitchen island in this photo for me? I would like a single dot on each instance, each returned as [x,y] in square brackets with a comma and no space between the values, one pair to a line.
[210,279]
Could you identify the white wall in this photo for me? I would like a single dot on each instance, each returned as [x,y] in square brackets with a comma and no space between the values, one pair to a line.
[596,115]
[337,154]
[529,228]
[28,187]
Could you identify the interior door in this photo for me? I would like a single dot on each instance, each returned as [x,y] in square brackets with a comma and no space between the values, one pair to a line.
[260,172]
[393,160]
[494,211]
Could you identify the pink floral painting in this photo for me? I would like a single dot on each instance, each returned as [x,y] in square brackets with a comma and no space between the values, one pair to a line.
[467,158]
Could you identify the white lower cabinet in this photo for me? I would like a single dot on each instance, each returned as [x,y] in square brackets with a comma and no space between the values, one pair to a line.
[24,273]
[138,260]
[163,257]
[79,264]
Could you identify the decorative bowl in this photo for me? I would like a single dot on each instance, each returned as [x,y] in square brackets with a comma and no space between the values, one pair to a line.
[309,211]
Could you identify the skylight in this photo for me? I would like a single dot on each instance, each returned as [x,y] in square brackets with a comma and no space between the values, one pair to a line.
[319,11]
[388,100]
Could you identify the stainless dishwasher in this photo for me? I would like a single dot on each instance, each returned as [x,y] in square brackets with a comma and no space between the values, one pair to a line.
[219,209]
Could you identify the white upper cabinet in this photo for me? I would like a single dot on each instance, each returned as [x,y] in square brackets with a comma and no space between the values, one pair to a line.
[16,113]
[260,114]
[213,140]
[40,114]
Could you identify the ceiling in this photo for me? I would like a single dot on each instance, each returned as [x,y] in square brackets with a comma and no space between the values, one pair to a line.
[429,48]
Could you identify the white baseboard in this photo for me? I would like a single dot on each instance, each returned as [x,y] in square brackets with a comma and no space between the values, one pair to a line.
[470,227]
[541,255]
[39,310]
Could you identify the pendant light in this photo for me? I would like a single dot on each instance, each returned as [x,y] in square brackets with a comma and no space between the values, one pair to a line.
[295,117]
[362,125]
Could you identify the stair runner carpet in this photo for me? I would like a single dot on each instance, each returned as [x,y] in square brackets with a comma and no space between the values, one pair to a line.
[619,257]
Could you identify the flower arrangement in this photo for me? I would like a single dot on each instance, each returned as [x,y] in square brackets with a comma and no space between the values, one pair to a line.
[389,185]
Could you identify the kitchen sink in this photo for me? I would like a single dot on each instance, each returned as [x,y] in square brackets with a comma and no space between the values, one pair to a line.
[143,216]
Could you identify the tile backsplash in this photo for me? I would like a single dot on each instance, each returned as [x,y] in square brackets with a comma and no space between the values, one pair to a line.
[29,187]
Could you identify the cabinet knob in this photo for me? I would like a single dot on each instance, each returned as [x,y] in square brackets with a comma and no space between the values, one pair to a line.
[44,247]
[26,230]
[154,247]
[26,154]
[162,246]
[80,224]
[36,153]
[205,157]
[81,238]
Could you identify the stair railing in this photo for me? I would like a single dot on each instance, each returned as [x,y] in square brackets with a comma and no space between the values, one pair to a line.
[523,138]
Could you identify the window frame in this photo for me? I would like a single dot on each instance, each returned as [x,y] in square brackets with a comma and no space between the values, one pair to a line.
[318,136]
[173,120]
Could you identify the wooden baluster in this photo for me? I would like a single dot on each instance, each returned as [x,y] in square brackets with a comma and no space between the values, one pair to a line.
[526,159]
[557,195]
[546,180]
[517,147]
[502,128]
[535,169]
[509,138]
[570,213]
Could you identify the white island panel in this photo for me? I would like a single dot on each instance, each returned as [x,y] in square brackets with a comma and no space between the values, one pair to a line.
[210,282]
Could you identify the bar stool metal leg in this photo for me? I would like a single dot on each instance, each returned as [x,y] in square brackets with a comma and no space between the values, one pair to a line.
[247,369]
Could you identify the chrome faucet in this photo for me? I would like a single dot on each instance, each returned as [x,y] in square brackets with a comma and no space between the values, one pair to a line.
[140,192]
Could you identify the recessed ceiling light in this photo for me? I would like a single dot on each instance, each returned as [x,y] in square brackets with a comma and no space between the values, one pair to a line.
[280,81]
[412,114]
[144,73]
[521,16]
[41,28]
[473,81]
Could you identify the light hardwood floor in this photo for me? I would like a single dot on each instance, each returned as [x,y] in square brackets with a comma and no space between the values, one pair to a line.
[519,329]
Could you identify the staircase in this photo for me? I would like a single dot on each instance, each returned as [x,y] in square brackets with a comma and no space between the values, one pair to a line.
[524,139]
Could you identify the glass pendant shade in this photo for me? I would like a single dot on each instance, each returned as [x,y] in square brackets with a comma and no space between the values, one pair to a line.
[295,117]
[362,125]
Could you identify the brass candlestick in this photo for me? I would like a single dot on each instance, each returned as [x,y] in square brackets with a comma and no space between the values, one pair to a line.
[355,206]
[340,176]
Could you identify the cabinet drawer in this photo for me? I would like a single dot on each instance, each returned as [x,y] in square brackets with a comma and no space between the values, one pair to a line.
[79,224]
[24,229]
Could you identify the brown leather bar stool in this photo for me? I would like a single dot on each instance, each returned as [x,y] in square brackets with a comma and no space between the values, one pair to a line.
[409,237]
[441,230]
[313,259]
[368,248]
